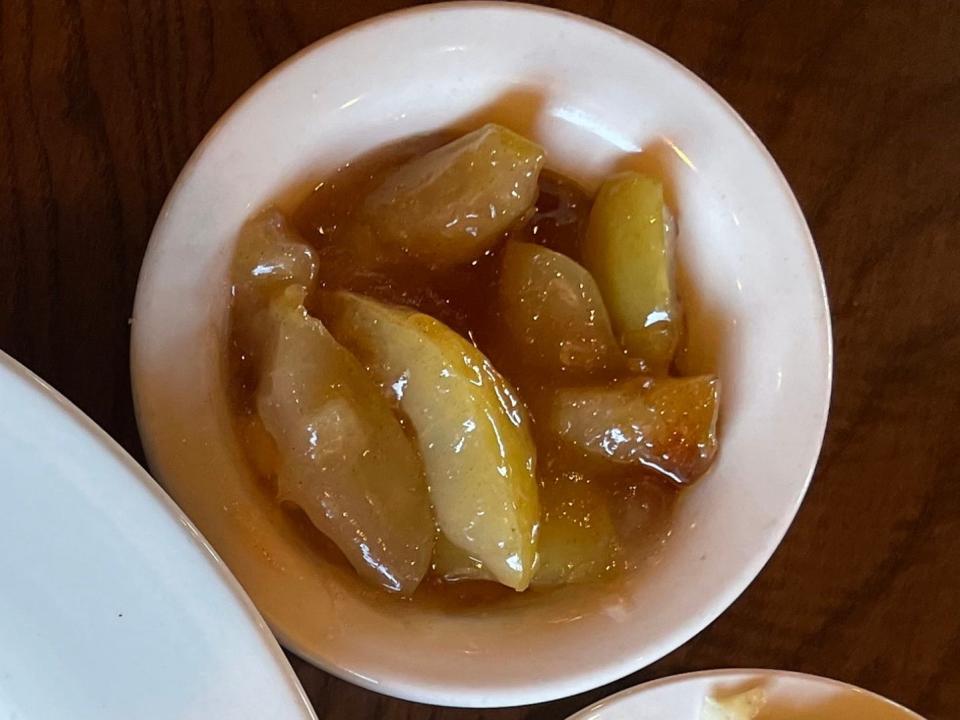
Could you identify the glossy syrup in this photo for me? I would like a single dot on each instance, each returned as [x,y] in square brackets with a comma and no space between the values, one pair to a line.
[463,298]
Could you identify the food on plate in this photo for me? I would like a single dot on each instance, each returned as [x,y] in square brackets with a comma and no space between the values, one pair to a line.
[459,367]
[629,248]
[452,204]
[578,539]
[553,313]
[742,706]
[577,542]
[341,454]
[666,424]
[470,426]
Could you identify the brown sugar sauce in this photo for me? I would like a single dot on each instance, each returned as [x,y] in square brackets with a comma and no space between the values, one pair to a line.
[464,298]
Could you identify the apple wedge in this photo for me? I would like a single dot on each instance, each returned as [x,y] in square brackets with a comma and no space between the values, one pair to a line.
[449,206]
[666,424]
[323,428]
[629,249]
[553,312]
[471,428]
[578,540]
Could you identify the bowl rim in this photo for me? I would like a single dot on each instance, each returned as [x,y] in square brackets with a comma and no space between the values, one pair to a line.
[571,683]
[732,674]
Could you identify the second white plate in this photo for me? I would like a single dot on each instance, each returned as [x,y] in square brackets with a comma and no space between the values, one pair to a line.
[111,604]
[790,696]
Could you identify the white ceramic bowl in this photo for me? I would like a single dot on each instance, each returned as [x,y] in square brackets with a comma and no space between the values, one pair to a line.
[789,696]
[596,99]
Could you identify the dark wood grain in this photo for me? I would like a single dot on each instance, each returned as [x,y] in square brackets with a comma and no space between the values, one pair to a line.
[101,103]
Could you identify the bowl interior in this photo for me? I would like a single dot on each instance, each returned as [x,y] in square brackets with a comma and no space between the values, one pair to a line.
[597,100]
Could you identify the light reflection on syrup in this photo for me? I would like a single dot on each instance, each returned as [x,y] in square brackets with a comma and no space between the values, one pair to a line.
[684,158]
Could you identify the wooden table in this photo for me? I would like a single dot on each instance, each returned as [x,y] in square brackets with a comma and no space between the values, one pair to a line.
[102,102]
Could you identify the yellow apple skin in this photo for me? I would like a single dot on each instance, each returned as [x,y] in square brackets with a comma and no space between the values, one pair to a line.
[629,250]
[471,428]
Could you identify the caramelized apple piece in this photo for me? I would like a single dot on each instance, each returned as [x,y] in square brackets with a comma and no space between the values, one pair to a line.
[552,312]
[269,257]
[472,431]
[344,458]
[336,448]
[451,205]
[578,541]
[666,424]
[629,248]
[454,564]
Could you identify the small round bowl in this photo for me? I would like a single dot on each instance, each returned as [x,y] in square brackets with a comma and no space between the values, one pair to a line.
[598,100]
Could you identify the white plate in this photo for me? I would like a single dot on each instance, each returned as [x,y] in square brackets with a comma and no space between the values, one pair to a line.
[790,696]
[595,98]
[112,606]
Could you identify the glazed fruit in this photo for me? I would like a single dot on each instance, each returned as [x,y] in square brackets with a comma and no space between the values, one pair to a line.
[553,313]
[451,205]
[466,378]
[578,541]
[339,452]
[666,424]
[471,429]
[629,249]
